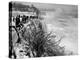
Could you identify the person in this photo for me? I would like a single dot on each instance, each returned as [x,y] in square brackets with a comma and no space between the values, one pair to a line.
[17,20]
[24,19]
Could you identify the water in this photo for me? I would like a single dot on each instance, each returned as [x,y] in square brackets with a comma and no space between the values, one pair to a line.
[62,23]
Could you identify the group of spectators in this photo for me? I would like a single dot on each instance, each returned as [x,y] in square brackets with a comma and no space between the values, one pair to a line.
[18,21]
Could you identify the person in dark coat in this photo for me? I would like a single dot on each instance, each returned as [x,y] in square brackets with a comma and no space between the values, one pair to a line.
[17,21]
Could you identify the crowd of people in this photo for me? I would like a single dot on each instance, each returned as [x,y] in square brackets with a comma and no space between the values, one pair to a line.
[18,21]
